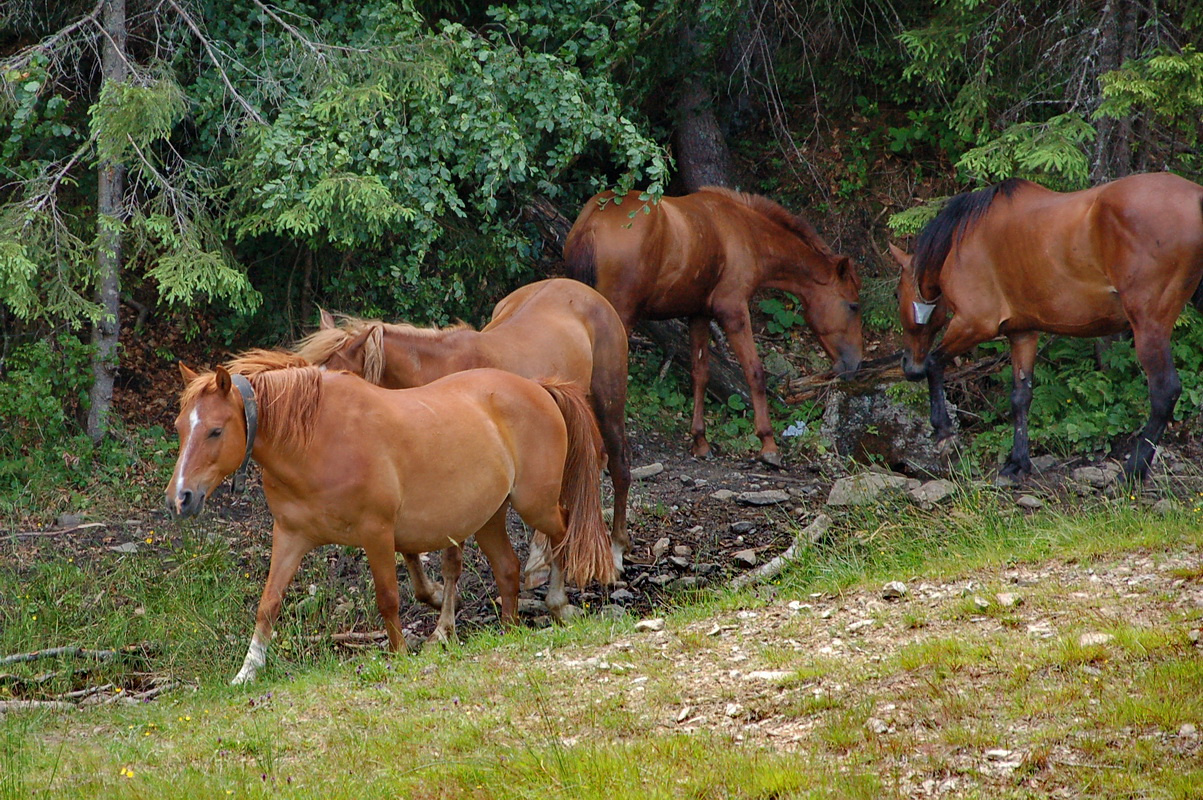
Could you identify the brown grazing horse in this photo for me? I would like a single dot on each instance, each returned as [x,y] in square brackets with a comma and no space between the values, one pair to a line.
[1017,259]
[345,462]
[702,256]
[550,329]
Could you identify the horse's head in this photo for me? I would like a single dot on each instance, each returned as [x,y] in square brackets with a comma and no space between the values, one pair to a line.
[832,310]
[362,354]
[921,320]
[212,429]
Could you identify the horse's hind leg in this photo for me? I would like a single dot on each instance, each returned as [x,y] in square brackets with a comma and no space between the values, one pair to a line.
[382,559]
[1153,352]
[735,320]
[453,565]
[1023,360]
[699,359]
[613,431]
[426,591]
[287,552]
[494,542]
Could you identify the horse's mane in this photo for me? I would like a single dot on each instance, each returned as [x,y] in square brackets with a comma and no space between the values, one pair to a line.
[288,392]
[954,220]
[319,346]
[795,223]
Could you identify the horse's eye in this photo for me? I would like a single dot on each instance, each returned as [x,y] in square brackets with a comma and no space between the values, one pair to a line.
[213,434]
[854,307]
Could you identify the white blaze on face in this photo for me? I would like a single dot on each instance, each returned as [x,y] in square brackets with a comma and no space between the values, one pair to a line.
[189,441]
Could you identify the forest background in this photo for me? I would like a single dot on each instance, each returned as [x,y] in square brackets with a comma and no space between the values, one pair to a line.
[183,176]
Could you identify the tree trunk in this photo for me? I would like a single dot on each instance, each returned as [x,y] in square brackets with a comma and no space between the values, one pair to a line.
[702,155]
[109,192]
[1117,42]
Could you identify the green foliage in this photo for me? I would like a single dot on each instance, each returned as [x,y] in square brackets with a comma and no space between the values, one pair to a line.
[914,219]
[781,316]
[1052,153]
[132,116]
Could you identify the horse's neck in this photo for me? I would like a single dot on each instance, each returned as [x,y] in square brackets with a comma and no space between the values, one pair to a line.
[417,360]
[795,272]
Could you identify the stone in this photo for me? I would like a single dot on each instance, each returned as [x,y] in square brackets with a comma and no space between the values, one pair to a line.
[705,569]
[873,427]
[933,492]
[650,625]
[660,547]
[679,561]
[778,365]
[981,603]
[770,675]
[767,497]
[645,472]
[68,520]
[684,713]
[128,547]
[1163,506]
[1008,599]
[685,582]
[621,596]
[531,607]
[878,726]
[894,590]
[859,625]
[998,755]
[743,526]
[1196,636]
[662,580]
[746,558]
[1096,477]
[863,489]
[734,709]
[684,550]
[722,495]
[1044,463]
[1188,730]
[1029,502]
[1094,639]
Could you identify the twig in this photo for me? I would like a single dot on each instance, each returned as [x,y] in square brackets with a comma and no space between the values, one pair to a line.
[191,23]
[61,531]
[55,652]
[80,694]
[813,532]
[30,705]
[17,61]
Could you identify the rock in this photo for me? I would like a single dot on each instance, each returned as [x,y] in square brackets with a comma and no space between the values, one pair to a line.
[662,580]
[128,547]
[863,489]
[771,675]
[1008,600]
[685,582]
[679,561]
[878,726]
[1188,730]
[933,492]
[684,713]
[705,569]
[621,596]
[531,607]
[746,558]
[734,709]
[767,497]
[570,612]
[645,472]
[611,611]
[743,526]
[778,365]
[1096,477]
[859,625]
[1030,502]
[1163,506]
[1094,639]
[1044,463]
[68,520]
[873,427]
[660,547]
[722,495]
[816,530]
[650,625]
[684,550]
[998,755]
[1196,636]
[894,590]
[981,603]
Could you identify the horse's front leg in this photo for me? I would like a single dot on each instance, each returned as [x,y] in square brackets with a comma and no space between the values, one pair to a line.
[960,336]
[738,326]
[426,591]
[287,551]
[699,359]
[1023,361]
[1153,352]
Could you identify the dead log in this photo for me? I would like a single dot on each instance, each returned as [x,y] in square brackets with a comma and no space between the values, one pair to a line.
[879,370]
[813,533]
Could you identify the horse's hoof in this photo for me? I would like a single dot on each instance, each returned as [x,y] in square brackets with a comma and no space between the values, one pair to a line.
[773,459]
[441,636]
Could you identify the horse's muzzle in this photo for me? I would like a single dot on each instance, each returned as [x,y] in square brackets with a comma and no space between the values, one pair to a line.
[910,370]
[847,366]
[186,503]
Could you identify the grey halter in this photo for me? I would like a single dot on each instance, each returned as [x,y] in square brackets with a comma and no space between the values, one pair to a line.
[251,409]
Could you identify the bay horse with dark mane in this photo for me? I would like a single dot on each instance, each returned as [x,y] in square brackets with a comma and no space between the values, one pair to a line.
[555,328]
[346,462]
[703,256]
[1018,259]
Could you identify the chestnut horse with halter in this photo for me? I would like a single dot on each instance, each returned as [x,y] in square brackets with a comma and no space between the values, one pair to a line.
[1017,259]
[702,256]
[555,328]
[345,462]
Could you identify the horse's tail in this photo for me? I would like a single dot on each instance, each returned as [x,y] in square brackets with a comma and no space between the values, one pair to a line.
[580,262]
[586,545]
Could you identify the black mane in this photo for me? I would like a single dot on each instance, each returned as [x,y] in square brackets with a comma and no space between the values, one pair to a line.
[953,221]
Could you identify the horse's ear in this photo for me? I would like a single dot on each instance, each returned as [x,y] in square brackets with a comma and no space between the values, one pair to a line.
[224,384]
[187,374]
[902,257]
[325,320]
[843,267]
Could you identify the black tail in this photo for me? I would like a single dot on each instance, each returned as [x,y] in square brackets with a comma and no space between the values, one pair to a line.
[579,263]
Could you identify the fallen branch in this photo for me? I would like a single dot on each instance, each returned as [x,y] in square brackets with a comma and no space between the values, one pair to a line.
[813,532]
[874,372]
[61,531]
[55,652]
[31,705]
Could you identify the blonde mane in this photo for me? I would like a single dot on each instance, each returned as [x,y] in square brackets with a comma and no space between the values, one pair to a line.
[319,346]
[288,391]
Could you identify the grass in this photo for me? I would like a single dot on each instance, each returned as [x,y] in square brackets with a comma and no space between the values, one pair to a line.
[526,714]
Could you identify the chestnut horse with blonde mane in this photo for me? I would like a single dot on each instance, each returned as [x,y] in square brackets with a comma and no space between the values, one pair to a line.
[555,328]
[346,462]
[1018,259]
[703,256]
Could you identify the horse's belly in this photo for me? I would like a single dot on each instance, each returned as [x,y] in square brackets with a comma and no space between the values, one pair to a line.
[1089,310]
